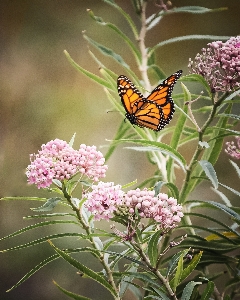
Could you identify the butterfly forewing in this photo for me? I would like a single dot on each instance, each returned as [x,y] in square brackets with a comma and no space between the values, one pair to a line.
[128,93]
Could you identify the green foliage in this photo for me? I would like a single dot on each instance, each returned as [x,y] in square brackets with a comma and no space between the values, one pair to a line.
[146,254]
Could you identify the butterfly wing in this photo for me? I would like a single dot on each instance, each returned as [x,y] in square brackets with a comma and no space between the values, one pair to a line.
[128,92]
[147,114]
[161,95]
[153,112]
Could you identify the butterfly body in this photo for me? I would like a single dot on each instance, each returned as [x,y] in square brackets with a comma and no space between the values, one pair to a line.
[153,112]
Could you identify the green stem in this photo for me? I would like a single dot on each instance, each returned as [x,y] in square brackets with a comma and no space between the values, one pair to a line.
[87,228]
[155,271]
[199,149]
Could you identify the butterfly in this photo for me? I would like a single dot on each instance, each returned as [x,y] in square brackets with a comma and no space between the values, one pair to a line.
[153,112]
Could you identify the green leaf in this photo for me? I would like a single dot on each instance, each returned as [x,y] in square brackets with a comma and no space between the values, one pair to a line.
[44,239]
[70,294]
[128,41]
[125,15]
[187,292]
[196,9]
[215,246]
[177,278]
[90,75]
[189,37]
[197,78]
[107,51]
[49,205]
[223,197]
[237,169]
[210,172]
[174,260]
[177,133]
[72,140]
[208,291]
[24,198]
[47,223]
[85,270]
[157,146]
[228,228]
[130,184]
[226,209]
[122,130]
[160,74]
[153,247]
[237,117]
[230,189]
[191,266]
[34,270]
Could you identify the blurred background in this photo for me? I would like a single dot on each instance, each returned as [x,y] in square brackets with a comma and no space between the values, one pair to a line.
[43,97]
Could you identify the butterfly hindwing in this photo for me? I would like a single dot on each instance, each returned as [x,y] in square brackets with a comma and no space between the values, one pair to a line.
[153,112]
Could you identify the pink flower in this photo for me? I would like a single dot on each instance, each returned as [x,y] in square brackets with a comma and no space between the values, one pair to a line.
[104,200]
[162,209]
[57,160]
[232,149]
[219,64]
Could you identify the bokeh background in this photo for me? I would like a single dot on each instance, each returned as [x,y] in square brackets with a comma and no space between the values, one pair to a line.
[43,97]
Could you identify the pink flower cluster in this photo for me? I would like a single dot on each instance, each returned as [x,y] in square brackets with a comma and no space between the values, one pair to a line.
[162,209]
[219,64]
[57,160]
[104,200]
[232,149]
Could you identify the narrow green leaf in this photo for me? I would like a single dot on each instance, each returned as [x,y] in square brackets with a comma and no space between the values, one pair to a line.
[72,140]
[47,223]
[161,295]
[189,37]
[208,291]
[236,167]
[174,260]
[125,15]
[24,198]
[178,132]
[70,294]
[191,266]
[230,189]
[34,270]
[228,228]
[213,231]
[157,146]
[44,239]
[177,278]
[121,132]
[226,209]
[107,51]
[197,78]
[85,270]
[128,41]
[237,117]
[153,247]
[210,172]
[196,9]
[160,74]
[223,197]
[49,205]
[130,184]
[187,292]
[90,75]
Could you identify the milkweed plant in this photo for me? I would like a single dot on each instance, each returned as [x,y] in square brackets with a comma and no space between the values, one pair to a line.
[159,242]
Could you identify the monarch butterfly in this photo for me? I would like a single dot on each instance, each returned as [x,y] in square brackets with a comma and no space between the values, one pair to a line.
[153,112]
